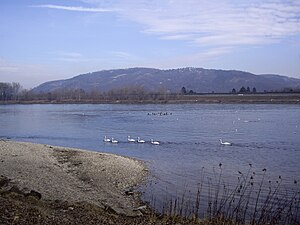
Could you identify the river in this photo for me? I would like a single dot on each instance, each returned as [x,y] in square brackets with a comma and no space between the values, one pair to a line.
[262,137]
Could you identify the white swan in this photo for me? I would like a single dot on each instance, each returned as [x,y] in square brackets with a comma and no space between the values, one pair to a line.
[130,139]
[106,139]
[154,142]
[114,141]
[140,140]
[225,143]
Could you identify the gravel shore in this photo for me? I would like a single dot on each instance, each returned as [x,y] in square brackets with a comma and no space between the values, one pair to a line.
[74,175]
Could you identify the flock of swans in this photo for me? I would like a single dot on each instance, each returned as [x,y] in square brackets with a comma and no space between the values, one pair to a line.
[141,141]
[130,140]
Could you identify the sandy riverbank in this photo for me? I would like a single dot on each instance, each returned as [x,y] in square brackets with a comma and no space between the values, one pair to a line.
[73,175]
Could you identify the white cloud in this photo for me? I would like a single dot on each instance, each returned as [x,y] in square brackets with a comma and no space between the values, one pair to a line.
[76,8]
[6,66]
[215,22]
[122,55]
[206,22]
[67,56]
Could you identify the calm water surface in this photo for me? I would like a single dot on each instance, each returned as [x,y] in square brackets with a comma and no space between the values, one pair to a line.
[266,136]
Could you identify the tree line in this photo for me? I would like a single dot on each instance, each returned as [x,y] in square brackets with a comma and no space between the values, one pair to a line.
[244,90]
[233,91]
[119,94]
[15,92]
[10,91]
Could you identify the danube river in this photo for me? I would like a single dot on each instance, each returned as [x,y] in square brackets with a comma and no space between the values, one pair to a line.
[263,136]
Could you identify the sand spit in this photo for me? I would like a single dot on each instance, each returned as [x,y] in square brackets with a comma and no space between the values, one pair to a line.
[74,175]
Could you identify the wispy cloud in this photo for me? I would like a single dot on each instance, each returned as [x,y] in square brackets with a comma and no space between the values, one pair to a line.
[213,23]
[6,66]
[191,59]
[67,56]
[122,55]
[206,22]
[76,8]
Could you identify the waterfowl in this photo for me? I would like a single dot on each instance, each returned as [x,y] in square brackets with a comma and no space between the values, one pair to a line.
[114,141]
[106,139]
[225,143]
[154,142]
[130,139]
[140,140]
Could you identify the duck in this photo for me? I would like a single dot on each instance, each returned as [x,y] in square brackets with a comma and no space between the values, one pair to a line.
[154,142]
[114,141]
[106,139]
[140,140]
[225,143]
[130,139]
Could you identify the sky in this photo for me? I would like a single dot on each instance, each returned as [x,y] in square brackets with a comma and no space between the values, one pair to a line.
[44,40]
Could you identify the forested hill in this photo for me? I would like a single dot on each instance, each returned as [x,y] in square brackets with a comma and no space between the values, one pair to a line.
[197,79]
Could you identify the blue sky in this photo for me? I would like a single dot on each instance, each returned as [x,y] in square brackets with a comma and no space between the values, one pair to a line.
[57,39]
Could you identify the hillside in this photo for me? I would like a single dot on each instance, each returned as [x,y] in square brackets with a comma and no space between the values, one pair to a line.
[196,79]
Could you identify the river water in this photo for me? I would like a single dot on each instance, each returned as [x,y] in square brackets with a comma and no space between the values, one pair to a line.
[265,136]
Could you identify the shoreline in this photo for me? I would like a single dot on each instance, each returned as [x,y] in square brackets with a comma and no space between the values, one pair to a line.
[74,175]
[259,98]
[39,189]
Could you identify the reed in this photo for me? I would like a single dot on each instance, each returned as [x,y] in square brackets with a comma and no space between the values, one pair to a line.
[253,200]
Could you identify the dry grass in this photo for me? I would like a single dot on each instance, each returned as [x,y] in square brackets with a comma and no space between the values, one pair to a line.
[254,200]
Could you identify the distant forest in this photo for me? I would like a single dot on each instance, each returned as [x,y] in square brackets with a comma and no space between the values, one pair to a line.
[15,93]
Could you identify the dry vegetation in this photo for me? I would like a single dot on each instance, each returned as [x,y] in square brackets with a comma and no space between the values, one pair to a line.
[18,207]
[254,200]
[13,93]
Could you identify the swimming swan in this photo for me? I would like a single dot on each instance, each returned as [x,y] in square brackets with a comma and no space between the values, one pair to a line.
[140,140]
[154,142]
[106,139]
[225,143]
[130,139]
[114,141]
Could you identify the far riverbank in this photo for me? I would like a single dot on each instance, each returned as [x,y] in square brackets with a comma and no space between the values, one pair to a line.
[259,98]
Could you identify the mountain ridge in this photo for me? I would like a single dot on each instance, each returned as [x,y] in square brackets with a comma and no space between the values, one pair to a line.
[172,80]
